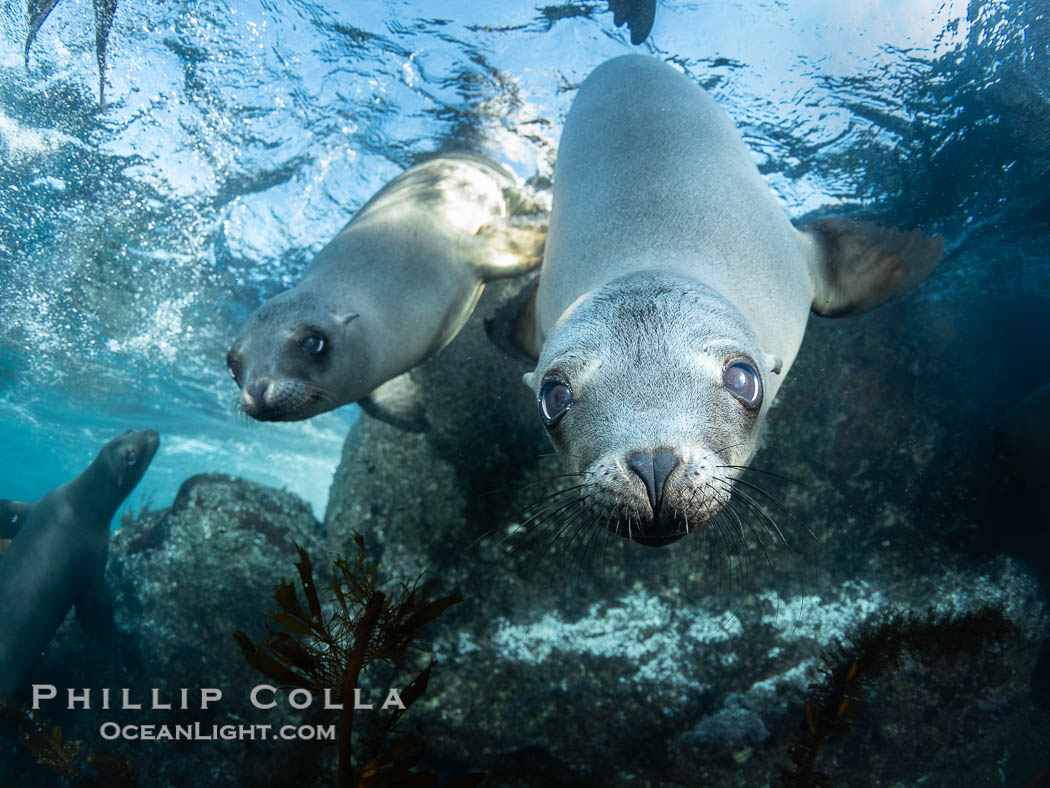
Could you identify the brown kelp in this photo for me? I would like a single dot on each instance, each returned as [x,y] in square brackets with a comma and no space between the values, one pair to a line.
[326,647]
[879,643]
[68,759]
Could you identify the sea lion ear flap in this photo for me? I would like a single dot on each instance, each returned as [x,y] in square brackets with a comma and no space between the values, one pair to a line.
[529,379]
[344,318]
[773,363]
[856,266]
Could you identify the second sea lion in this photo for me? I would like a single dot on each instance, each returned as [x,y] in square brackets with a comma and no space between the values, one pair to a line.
[392,288]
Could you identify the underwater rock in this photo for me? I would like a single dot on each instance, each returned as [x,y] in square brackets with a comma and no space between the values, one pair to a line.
[579,658]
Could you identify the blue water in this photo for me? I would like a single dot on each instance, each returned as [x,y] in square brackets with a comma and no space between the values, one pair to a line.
[241,135]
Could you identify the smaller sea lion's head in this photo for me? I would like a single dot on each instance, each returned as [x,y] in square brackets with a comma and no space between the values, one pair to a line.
[127,457]
[651,391]
[297,357]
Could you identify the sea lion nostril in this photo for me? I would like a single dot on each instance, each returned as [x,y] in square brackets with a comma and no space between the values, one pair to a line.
[256,391]
[653,468]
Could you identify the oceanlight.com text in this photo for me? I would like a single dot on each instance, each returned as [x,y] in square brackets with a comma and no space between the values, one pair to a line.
[230,732]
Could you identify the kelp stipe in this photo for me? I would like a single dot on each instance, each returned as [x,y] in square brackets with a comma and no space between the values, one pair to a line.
[319,650]
[68,759]
[875,648]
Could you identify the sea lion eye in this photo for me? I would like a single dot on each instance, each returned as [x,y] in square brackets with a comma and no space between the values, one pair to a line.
[743,382]
[130,458]
[233,366]
[555,400]
[314,344]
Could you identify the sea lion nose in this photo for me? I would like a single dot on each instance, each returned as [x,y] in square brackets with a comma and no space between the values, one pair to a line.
[653,468]
[253,395]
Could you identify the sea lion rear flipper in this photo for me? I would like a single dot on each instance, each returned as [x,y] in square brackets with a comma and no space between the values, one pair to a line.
[397,402]
[858,265]
[95,611]
[12,513]
[511,246]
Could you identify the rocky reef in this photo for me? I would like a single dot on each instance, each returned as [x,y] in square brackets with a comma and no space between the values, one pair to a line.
[577,658]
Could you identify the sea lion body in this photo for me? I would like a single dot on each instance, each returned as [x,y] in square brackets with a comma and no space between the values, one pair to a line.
[57,555]
[674,295]
[392,288]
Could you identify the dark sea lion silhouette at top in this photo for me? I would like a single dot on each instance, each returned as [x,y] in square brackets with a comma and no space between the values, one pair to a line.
[104,10]
[392,288]
[57,556]
[638,15]
[673,297]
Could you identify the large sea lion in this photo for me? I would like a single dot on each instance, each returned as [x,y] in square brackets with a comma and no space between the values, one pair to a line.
[673,296]
[393,287]
[57,556]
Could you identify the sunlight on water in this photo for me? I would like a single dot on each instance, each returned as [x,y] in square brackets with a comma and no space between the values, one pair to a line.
[241,136]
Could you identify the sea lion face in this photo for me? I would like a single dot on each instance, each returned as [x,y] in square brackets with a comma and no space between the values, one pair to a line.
[128,456]
[295,358]
[651,388]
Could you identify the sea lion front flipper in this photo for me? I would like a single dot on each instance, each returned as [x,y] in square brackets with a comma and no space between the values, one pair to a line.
[12,514]
[397,402]
[511,246]
[858,265]
[95,611]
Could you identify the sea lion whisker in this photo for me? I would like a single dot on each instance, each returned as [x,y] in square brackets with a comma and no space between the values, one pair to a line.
[745,549]
[735,539]
[737,515]
[760,511]
[547,518]
[518,527]
[548,498]
[605,549]
[720,452]
[580,553]
[519,488]
[730,513]
[573,475]
[777,503]
[534,523]
[573,518]
[763,471]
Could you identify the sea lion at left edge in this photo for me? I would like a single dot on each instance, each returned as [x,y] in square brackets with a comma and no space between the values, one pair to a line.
[392,288]
[673,297]
[57,555]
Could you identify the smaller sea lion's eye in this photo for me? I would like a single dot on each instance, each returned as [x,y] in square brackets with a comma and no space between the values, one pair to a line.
[233,366]
[314,344]
[555,400]
[130,458]
[743,382]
